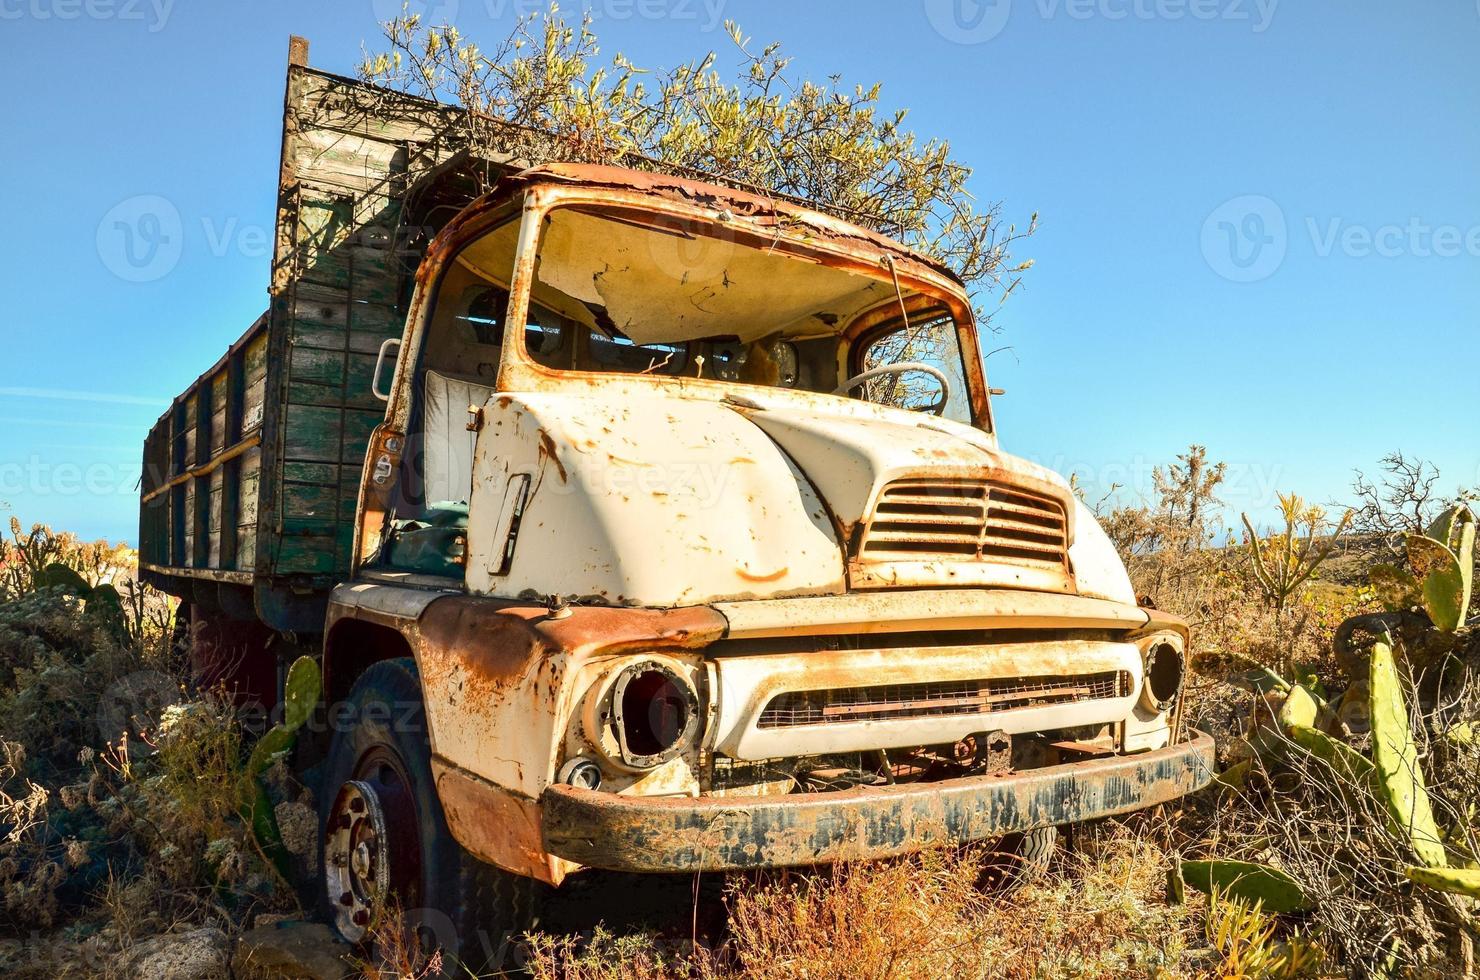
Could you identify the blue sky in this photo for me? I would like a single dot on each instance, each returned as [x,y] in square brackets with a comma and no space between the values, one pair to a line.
[1260,220]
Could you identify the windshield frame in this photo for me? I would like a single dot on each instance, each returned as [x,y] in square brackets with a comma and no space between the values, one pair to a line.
[923,285]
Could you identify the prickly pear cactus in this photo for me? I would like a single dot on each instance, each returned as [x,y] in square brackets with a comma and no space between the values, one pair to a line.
[59,576]
[1299,710]
[1345,760]
[103,603]
[1400,781]
[1235,776]
[1251,882]
[300,693]
[1460,881]
[1443,562]
[1396,589]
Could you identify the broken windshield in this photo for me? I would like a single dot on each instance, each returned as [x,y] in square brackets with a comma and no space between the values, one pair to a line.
[646,294]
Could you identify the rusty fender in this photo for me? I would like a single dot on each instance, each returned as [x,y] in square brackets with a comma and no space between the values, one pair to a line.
[496,681]
[679,835]
[485,655]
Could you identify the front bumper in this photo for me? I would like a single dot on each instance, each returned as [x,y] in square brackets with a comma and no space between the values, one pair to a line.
[632,833]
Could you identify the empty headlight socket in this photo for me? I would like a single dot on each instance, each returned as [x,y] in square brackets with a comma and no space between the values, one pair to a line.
[621,731]
[1165,670]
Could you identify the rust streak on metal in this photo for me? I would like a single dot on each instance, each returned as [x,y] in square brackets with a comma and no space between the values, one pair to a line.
[548,451]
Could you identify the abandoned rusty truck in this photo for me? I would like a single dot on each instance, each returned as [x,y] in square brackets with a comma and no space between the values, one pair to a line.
[642,524]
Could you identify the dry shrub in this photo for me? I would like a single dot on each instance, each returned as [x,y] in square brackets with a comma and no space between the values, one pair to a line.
[200,757]
[395,952]
[910,918]
[1104,914]
[119,786]
[605,956]
[1325,826]
[1101,912]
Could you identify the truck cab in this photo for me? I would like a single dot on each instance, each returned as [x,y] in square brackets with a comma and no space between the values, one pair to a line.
[689,531]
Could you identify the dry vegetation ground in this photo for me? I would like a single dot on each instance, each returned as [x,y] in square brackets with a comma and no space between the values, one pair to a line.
[119,822]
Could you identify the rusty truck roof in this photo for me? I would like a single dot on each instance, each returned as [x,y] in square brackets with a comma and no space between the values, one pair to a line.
[750,202]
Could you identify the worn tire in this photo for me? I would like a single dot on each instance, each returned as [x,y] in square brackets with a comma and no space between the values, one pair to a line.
[472,913]
[1017,859]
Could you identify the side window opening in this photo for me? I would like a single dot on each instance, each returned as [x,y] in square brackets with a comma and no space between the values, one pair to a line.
[545,335]
[485,315]
[931,339]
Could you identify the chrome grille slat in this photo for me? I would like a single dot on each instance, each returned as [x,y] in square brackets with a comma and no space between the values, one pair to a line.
[910,535]
[903,498]
[965,520]
[894,701]
[890,519]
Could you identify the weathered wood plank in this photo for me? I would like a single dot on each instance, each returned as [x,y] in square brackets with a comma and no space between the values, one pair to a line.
[311,433]
[216,486]
[309,502]
[220,398]
[345,160]
[187,523]
[322,102]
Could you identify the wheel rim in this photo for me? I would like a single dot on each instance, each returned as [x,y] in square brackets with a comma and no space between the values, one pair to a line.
[372,852]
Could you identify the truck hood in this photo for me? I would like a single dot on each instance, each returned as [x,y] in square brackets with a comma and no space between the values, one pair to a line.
[664,502]
[851,458]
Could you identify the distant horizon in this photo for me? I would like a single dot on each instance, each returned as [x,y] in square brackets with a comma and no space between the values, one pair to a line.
[1245,242]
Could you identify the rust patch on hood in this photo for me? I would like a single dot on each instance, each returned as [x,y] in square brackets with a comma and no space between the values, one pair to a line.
[773,577]
[500,638]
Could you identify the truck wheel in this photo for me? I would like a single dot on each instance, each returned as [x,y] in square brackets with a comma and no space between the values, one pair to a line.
[386,852]
[1017,859]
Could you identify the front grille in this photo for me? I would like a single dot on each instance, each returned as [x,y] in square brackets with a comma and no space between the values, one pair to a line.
[851,704]
[977,520]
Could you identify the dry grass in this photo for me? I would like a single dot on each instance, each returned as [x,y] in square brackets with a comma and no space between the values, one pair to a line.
[394,951]
[1100,913]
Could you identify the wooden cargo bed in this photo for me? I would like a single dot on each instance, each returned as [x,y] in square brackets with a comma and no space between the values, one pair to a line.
[250,479]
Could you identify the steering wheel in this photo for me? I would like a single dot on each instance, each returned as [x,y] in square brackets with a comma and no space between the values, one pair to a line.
[904,367]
